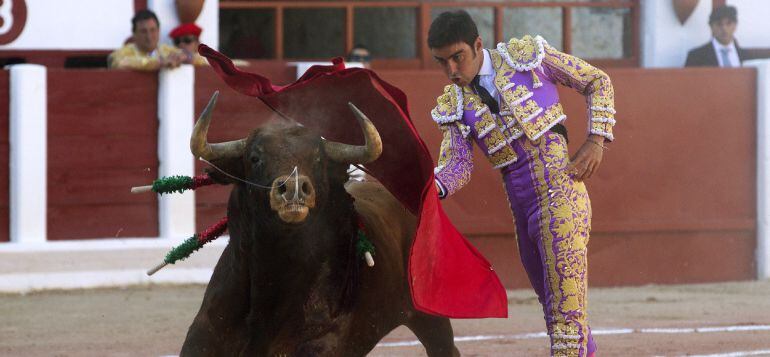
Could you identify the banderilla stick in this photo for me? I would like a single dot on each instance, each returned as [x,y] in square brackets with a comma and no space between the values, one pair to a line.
[141,189]
[156,268]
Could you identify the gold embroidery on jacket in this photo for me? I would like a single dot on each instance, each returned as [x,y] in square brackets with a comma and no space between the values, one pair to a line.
[526,112]
[455,161]
[588,80]
[535,128]
[505,156]
[485,125]
[448,108]
[494,141]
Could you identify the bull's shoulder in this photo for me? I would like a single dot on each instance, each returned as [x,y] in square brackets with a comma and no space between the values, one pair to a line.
[370,192]
[375,203]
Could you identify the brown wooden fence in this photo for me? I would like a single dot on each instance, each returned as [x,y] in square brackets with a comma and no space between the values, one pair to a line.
[102,139]
[674,200]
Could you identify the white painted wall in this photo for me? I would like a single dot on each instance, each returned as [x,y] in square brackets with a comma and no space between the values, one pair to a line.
[753,27]
[665,42]
[28,141]
[208,20]
[81,24]
[100,24]
[763,167]
[176,212]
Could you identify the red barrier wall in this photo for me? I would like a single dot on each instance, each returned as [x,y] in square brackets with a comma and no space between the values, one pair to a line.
[674,200]
[4,152]
[102,139]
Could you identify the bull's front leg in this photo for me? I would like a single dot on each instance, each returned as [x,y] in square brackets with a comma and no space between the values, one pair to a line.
[219,327]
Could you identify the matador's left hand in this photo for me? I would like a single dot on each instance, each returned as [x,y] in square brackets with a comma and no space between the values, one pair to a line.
[586,161]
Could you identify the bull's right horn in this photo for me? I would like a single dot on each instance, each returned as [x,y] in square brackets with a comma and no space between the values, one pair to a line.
[354,154]
[199,144]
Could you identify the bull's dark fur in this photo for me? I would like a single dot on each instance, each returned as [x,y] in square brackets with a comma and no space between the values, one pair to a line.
[284,289]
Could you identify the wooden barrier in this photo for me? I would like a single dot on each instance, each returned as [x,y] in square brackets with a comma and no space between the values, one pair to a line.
[673,202]
[102,130]
[674,199]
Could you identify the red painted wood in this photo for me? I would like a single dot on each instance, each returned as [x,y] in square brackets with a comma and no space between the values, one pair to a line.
[639,259]
[99,221]
[677,188]
[4,152]
[102,130]
[675,180]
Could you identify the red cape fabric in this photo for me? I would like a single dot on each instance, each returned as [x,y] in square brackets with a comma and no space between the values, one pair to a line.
[447,276]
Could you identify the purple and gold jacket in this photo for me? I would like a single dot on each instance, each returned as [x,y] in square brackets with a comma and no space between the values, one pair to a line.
[527,71]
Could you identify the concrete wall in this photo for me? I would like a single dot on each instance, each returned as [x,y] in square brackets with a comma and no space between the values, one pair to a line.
[60,25]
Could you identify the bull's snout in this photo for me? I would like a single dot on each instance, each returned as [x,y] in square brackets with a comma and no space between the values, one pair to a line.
[292,197]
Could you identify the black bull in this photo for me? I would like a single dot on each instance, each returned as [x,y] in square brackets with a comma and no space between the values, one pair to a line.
[290,281]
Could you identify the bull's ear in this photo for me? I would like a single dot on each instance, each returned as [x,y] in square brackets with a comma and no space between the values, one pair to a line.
[222,171]
[338,172]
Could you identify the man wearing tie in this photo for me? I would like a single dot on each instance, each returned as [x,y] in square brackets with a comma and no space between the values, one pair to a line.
[505,100]
[722,50]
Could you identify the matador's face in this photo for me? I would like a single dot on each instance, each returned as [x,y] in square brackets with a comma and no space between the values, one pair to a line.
[460,61]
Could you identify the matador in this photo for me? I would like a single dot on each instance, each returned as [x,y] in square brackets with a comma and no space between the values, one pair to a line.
[505,100]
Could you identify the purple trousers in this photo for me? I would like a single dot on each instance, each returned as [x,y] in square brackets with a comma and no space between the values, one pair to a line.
[553,220]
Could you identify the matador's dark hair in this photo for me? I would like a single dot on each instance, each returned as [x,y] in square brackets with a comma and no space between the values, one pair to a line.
[452,27]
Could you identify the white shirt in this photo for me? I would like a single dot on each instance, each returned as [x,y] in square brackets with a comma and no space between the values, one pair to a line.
[487,76]
[732,53]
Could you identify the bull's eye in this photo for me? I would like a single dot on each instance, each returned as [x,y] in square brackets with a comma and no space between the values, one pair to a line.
[255,160]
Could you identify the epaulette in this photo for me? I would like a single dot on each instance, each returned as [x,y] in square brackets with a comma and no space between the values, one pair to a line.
[449,107]
[523,54]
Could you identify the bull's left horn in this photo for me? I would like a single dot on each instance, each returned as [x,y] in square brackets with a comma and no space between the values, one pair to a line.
[353,154]
[199,143]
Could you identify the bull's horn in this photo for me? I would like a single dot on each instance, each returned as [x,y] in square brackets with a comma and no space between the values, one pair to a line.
[199,144]
[352,154]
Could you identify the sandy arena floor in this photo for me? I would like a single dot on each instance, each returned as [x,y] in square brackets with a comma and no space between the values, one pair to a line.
[731,319]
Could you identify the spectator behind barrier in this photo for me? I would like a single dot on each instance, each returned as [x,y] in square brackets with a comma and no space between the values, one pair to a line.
[186,37]
[722,50]
[143,52]
[360,53]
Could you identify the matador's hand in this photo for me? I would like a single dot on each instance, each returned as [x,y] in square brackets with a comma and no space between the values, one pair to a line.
[586,161]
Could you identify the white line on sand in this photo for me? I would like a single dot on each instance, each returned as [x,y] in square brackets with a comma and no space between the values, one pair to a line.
[622,331]
[737,354]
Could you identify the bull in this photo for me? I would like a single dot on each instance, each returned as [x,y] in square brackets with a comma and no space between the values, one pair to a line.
[290,282]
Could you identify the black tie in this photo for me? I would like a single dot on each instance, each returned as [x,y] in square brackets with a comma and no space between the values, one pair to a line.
[486,98]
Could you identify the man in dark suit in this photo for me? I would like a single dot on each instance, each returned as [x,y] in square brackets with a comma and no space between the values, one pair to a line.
[722,50]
